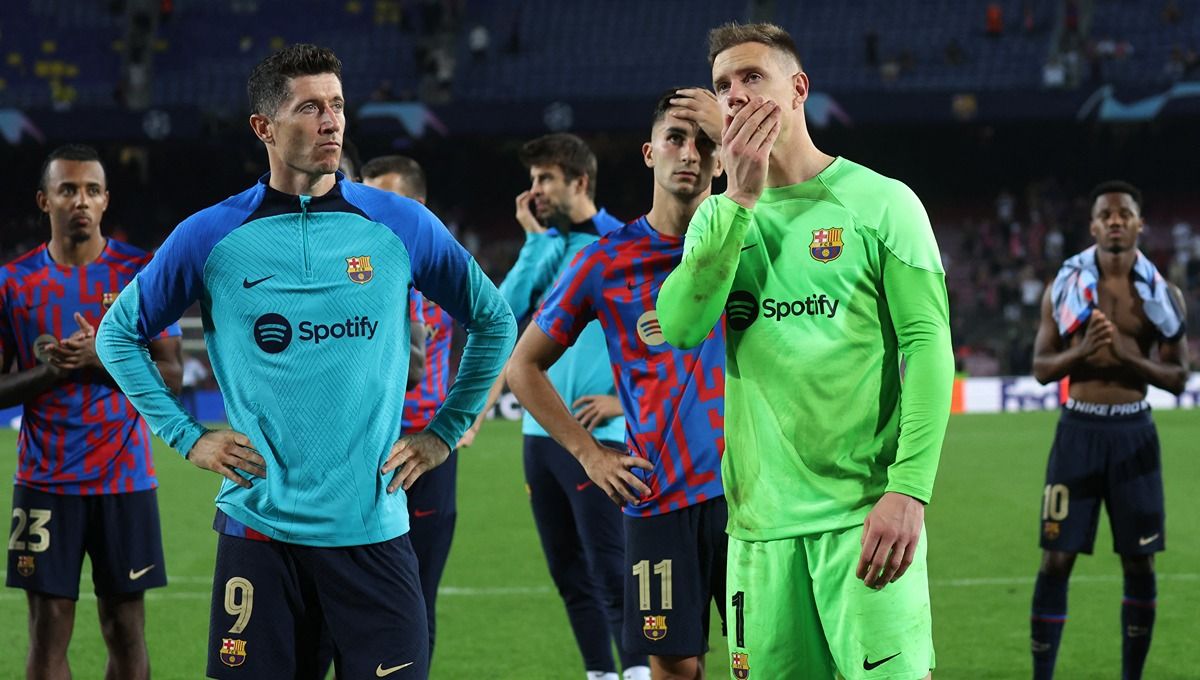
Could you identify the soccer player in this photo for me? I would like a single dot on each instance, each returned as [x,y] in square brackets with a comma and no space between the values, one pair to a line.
[830,276]
[580,530]
[1107,311]
[85,477]
[350,164]
[303,282]
[670,481]
[432,505]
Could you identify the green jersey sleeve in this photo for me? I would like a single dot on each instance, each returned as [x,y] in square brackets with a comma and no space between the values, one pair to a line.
[914,285]
[919,312]
[693,296]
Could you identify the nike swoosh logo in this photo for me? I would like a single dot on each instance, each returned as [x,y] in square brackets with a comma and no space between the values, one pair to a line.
[581,487]
[247,283]
[381,672]
[423,513]
[1147,540]
[745,248]
[135,575]
[869,666]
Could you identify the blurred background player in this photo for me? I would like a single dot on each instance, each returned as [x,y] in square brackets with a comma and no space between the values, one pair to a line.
[580,531]
[1107,312]
[305,278]
[432,508]
[669,483]
[831,274]
[351,164]
[85,477]
[194,374]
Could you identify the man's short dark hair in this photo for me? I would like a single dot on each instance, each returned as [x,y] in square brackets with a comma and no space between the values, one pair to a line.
[566,151]
[70,152]
[410,170]
[1116,186]
[269,85]
[733,34]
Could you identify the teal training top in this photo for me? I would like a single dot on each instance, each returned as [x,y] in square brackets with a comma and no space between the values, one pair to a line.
[579,372]
[304,302]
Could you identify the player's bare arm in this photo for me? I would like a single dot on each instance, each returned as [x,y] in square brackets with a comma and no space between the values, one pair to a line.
[78,350]
[413,456]
[1169,371]
[1054,359]
[20,386]
[608,468]
[416,355]
[167,355]
[224,452]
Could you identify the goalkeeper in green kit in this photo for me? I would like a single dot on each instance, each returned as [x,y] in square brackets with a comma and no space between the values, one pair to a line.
[839,376]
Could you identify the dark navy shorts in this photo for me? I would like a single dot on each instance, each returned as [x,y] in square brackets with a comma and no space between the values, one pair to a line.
[271,601]
[1104,453]
[50,532]
[675,569]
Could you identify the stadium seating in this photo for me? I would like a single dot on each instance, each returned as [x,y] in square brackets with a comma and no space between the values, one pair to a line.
[615,48]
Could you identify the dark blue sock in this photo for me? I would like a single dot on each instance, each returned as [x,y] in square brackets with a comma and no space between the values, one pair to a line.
[1137,623]
[1046,623]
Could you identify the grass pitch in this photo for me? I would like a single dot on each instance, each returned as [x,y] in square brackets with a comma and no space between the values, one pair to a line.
[500,617]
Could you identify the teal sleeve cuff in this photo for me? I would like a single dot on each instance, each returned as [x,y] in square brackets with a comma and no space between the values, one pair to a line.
[189,438]
[491,335]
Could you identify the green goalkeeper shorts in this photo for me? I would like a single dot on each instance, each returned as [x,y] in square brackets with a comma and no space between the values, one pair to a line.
[797,610]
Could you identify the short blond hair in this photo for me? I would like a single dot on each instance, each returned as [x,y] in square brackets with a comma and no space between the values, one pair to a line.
[733,34]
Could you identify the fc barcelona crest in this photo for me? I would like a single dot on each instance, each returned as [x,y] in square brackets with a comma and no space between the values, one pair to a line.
[233,652]
[25,565]
[740,665]
[359,268]
[1051,530]
[655,627]
[107,300]
[826,244]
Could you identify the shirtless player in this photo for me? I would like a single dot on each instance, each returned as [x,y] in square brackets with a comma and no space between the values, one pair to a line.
[1101,320]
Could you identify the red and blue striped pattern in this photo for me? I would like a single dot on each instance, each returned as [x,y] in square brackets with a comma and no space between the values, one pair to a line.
[674,399]
[82,437]
[422,401]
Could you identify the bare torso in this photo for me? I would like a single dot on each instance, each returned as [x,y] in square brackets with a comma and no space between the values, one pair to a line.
[1102,379]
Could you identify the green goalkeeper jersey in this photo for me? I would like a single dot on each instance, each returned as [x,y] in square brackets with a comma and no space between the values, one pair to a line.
[840,370]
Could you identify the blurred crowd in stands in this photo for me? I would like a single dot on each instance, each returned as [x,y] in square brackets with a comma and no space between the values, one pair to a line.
[999,259]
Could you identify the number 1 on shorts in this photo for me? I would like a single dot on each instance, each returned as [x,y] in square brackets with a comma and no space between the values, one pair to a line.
[739,618]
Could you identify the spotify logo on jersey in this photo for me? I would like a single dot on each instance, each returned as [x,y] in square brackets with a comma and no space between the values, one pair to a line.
[649,330]
[741,310]
[273,333]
